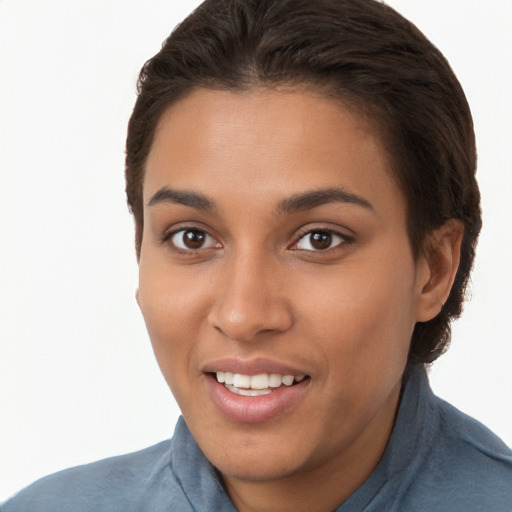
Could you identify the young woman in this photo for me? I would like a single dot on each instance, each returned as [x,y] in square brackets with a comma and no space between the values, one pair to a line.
[302,177]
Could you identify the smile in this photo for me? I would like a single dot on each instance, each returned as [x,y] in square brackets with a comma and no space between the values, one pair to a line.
[256,385]
[255,391]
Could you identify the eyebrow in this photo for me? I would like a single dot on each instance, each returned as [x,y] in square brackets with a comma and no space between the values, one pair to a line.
[299,202]
[316,198]
[184,197]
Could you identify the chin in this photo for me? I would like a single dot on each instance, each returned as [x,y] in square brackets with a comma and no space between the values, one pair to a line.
[249,458]
[256,471]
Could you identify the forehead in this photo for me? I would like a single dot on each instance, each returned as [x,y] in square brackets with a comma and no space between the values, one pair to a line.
[276,143]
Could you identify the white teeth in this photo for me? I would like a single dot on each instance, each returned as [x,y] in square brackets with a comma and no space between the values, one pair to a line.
[256,385]
[274,380]
[241,381]
[259,381]
[287,380]
[248,392]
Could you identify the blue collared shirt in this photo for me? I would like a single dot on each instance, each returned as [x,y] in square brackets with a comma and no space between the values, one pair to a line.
[437,459]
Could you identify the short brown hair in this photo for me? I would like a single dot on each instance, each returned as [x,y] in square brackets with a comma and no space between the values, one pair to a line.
[359,51]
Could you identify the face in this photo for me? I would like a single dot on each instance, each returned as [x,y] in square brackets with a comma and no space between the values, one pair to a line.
[276,280]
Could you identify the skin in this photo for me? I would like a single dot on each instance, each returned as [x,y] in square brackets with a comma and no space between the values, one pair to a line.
[258,289]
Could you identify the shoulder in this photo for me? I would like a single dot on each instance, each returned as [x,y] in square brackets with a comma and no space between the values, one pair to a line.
[467,466]
[118,483]
[462,426]
[473,442]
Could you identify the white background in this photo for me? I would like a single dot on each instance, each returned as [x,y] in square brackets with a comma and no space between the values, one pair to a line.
[78,379]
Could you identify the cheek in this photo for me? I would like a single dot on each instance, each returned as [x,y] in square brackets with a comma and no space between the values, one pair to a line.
[363,333]
[169,297]
[364,316]
[173,314]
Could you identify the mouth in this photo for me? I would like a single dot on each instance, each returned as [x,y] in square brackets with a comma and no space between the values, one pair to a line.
[256,385]
[255,391]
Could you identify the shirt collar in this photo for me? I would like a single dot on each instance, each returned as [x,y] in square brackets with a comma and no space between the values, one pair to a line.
[416,426]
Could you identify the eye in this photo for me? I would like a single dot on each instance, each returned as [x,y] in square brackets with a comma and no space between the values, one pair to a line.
[192,239]
[320,240]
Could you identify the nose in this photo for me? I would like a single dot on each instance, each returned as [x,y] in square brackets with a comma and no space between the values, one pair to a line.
[250,299]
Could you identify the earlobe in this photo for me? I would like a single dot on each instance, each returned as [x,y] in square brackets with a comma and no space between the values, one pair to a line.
[439,266]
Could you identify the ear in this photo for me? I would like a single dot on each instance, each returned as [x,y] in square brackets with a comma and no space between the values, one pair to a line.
[436,269]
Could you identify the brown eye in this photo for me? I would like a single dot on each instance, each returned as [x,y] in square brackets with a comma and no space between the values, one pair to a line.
[192,239]
[319,241]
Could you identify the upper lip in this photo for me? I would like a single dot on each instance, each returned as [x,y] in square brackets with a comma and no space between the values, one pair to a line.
[252,367]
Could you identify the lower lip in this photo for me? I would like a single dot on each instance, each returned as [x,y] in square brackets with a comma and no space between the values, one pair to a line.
[255,409]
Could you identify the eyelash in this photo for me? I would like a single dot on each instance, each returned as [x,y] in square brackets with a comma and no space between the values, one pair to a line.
[344,239]
[167,239]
